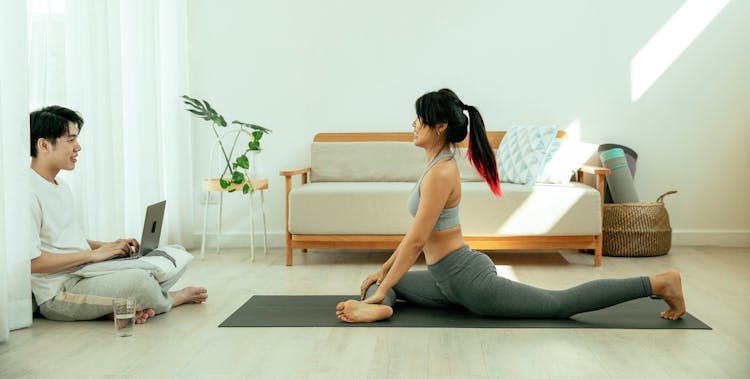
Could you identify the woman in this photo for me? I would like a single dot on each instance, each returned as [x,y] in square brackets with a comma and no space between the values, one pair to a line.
[457,275]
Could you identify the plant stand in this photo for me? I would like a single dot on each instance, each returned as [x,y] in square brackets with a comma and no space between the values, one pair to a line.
[212,185]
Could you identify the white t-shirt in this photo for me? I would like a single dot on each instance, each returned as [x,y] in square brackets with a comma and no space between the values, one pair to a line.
[56,230]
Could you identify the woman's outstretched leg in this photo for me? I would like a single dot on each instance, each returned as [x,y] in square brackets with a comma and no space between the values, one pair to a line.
[500,297]
[478,288]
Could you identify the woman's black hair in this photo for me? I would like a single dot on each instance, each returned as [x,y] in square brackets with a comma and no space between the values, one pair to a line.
[51,123]
[444,106]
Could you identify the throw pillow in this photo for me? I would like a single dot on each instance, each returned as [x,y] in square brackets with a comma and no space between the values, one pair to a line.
[563,159]
[520,156]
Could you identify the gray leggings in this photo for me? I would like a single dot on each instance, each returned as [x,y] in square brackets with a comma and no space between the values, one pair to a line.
[469,279]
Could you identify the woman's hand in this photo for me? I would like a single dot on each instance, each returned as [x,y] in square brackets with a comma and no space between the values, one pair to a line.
[375,298]
[374,278]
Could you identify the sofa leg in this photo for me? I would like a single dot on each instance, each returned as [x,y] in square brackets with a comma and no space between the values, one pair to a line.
[598,256]
[288,255]
[304,250]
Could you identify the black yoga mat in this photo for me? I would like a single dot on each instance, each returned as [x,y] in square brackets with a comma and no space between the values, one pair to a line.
[320,311]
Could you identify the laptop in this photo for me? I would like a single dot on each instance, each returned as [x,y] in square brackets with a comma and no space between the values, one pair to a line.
[151,229]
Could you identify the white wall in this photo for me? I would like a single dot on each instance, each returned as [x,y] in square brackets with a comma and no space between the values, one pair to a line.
[302,67]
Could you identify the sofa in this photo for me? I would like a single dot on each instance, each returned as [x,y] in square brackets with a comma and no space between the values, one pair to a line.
[353,196]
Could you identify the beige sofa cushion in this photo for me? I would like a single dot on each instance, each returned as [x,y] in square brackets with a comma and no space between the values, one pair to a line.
[366,162]
[467,171]
[376,162]
[349,208]
[541,210]
[380,208]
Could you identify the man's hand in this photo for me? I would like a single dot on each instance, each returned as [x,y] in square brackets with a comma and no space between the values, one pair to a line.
[109,250]
[133,243]
[376,278]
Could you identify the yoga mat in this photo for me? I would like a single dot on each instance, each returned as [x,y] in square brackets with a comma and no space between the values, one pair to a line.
[320,311]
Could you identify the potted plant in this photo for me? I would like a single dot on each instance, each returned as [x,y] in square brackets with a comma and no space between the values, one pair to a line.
[235,166]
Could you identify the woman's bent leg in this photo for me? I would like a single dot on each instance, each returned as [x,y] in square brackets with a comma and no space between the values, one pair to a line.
[416,287]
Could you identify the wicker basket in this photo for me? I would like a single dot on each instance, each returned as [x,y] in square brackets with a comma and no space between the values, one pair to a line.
[636,229]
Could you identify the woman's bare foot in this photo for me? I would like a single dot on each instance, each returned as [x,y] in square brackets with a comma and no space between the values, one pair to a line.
[142,316]
[668,286]
[189,295]
[357,311]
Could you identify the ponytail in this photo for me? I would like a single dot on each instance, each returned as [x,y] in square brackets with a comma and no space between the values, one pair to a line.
[444,106]
[480,152]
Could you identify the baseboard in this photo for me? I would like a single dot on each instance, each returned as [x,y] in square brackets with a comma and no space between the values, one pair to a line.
[722,238]
[240,240]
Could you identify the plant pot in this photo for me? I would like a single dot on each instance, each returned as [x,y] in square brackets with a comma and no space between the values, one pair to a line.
[256,165]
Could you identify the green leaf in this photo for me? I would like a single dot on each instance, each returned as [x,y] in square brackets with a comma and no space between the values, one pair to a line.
[243,162]
[252,126]
[192,101]
[245,189]
[257,135]
[208,106]
[253,145]
[262,129]
[224,183]
[238,177]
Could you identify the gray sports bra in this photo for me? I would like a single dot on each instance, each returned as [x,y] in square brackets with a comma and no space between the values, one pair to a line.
[448,216]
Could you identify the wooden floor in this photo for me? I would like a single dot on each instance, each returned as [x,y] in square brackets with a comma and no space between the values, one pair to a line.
[187,343]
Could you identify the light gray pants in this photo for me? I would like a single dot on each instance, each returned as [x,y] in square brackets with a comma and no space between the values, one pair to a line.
[91,298]
[468,279]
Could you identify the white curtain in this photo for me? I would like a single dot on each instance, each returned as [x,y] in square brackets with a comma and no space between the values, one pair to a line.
[121,64]
[15,242]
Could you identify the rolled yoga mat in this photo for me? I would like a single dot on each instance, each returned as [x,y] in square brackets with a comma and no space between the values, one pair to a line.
[630,155]
[620,181]
[320,311]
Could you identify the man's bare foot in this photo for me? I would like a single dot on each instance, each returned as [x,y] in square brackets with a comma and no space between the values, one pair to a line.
[189,295]
[357,311]
[142,316]
[668,286]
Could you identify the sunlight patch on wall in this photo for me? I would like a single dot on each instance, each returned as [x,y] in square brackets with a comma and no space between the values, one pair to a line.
[669,42]
[574,130]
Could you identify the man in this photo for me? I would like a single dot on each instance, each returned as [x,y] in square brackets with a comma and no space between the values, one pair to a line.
[60,244]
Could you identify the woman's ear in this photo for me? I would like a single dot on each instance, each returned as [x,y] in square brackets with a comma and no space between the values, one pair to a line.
[442,127]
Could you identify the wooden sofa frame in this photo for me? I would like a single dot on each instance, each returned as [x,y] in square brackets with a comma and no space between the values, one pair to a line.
[390,242]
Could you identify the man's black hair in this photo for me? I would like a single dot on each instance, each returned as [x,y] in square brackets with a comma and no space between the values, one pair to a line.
[51,123]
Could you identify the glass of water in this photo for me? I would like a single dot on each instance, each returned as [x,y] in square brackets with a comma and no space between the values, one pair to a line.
[124,315]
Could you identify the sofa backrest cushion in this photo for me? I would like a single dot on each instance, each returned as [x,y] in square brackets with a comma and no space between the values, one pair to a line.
[376,162]
[468,172]
[365,162]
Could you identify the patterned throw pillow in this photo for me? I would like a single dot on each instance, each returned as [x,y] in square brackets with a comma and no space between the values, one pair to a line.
[520,157]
